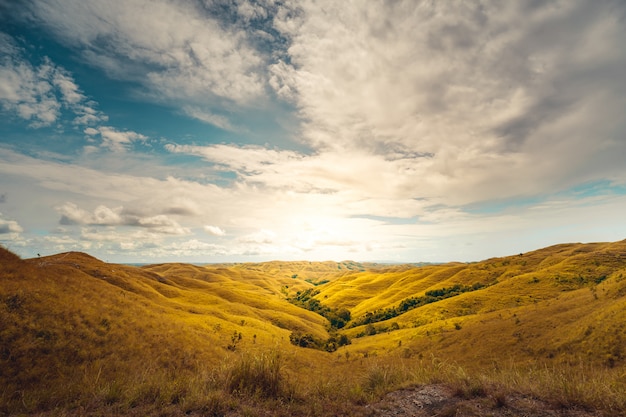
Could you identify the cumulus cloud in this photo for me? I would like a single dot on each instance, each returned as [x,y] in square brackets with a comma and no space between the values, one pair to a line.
[114,139]
[26,92]
[102,215]
[214,230]
[9,226]
[38,93]
[482,88]
[71,214]
[162,224]
[177,50]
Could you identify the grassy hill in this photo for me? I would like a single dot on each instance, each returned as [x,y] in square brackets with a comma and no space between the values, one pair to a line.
[79,336]
[563,302]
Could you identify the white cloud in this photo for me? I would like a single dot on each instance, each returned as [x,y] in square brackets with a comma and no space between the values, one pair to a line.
[117,140]
[105,216]
[214,230]
[260,237]
[364,183]
[26,91]
[114,139]
[245,159]
[86,114]
[163,224]
[102,215]
[192,246]
[208,117]
[70,92]
[175,49]
[9,226]
[38,93]
[110,235]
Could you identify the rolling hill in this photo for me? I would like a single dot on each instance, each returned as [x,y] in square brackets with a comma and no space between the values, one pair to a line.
[562,302]
[81,336]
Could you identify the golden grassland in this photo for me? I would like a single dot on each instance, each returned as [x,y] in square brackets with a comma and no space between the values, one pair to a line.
[82,337]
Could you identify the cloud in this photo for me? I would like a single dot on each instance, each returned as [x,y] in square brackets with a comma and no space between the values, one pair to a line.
[38,93]
[9,226]
[182,206]
[177,50]
[71,214]
[193,246]
[208,117]
[259,237]
[70,92]
[163,224]
[356,175]
[214,230]
[244,159]
[102,215]
[494,93]
[146,218]
[116,140]
[112,239]
[150,245]
[25,91]
[455,104]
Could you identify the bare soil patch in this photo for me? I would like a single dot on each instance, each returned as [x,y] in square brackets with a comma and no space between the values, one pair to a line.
[443,401]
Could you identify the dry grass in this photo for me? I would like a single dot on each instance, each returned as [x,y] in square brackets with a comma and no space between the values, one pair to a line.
[82,337]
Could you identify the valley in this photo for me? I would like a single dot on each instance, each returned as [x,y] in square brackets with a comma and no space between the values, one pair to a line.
[79,336]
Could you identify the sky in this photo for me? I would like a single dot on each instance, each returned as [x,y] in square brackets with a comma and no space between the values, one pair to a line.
[253,130]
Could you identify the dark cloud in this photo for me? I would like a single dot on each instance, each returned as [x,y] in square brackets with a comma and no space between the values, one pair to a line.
[180,211]
[451,37]
[516,131]
[66,221]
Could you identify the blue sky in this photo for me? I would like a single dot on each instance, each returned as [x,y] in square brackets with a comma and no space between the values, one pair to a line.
[406,131]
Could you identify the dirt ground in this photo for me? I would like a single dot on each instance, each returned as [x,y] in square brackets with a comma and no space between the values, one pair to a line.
[441,401]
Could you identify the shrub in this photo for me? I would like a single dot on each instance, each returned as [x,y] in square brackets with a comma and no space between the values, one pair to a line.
[370,330]
[305,340]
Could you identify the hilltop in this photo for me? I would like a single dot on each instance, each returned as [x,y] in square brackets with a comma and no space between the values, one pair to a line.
[81,336]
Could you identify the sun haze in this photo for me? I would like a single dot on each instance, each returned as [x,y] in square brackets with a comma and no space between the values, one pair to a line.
[156,130]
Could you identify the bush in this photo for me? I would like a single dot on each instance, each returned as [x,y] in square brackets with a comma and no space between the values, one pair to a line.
[337,318]
[305,340]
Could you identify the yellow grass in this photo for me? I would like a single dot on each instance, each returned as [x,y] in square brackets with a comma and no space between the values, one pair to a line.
[80,334]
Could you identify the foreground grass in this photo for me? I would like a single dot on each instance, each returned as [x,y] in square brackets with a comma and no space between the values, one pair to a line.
[264,382]
[579,386]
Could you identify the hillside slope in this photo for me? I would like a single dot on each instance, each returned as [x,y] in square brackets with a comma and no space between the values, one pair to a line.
[562,302]
[72,323]
[80,334]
